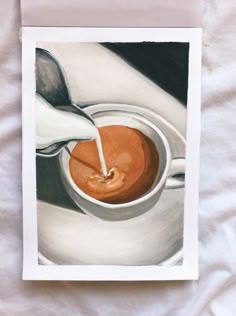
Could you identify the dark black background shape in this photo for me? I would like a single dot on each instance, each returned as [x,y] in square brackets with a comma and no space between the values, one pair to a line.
[166,64]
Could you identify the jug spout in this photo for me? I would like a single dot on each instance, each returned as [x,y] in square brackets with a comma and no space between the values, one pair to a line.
[55,128]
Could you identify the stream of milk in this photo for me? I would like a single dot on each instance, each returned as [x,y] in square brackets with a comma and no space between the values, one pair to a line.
[53,126]
[101,155]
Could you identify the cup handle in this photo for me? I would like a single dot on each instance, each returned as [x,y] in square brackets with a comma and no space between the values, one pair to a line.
[176,174]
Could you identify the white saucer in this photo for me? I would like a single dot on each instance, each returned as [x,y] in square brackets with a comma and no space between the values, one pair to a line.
[70,237]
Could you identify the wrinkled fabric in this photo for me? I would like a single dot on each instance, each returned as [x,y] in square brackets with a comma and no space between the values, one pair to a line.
[214,293]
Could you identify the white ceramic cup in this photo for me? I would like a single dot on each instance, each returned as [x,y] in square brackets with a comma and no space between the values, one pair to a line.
[166,178]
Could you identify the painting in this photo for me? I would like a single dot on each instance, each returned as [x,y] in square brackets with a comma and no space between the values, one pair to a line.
[110,156]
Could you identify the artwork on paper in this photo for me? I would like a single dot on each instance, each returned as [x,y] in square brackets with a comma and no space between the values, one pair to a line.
[110,152]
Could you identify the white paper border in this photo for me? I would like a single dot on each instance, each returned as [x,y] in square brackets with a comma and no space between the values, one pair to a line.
[31,269]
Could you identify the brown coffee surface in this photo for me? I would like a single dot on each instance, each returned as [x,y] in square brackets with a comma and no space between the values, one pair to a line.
[131,159]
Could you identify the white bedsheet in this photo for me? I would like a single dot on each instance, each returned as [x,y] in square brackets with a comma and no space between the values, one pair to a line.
[214,293]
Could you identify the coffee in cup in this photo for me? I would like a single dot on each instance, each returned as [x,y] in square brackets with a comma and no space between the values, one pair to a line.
[131,159]
[136,119]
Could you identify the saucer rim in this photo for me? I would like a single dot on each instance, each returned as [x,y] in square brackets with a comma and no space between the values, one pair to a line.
[172,261]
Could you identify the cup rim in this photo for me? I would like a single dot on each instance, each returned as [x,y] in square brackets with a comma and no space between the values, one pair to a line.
[141,199]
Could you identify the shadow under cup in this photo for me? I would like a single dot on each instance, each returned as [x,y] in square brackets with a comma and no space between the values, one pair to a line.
[124,211]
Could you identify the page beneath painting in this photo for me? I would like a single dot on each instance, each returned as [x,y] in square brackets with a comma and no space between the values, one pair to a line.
[111,127]
[115,13]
